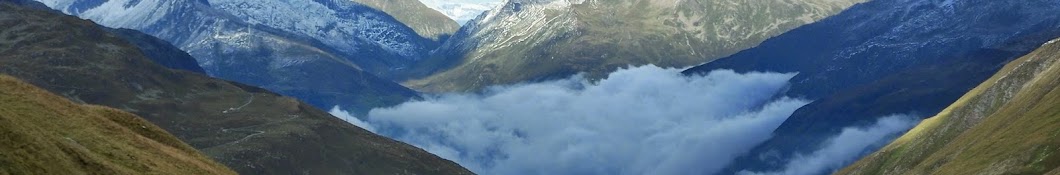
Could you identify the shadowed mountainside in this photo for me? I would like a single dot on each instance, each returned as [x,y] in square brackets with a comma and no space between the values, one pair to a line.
[1007,125]
[886,57]
[533,40]
[251,130]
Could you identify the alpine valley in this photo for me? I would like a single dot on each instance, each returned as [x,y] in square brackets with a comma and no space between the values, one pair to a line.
[529,87]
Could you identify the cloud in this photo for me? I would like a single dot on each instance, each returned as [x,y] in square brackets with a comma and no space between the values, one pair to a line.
[348,117]
[643,120]
[848,146]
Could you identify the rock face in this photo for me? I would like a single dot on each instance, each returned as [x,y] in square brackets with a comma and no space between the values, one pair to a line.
[325,52]
[542,39]
[1007,125]
[887,57]
[43,133]
[251,130]
[428,22]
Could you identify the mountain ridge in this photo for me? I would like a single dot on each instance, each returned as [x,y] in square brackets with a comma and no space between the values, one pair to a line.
[428,22]
[1005,125]
[886,57]
[545,39]
[336,55]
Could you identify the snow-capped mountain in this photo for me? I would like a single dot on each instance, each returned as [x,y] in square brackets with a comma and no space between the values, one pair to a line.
[462,11]
[540,39]
[340,24]
[427,22]
[324,52]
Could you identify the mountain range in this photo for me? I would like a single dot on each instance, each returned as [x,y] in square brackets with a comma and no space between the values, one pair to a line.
[236,86]
[531,40]
[421,18]
[329,54]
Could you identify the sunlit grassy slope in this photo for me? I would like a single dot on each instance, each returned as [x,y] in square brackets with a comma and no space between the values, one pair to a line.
[1007,125]
[41,133]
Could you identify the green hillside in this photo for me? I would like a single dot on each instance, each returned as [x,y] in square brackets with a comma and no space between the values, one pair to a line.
[1007,125]
[41,133]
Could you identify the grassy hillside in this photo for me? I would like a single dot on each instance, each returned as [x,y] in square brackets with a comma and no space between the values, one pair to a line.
[427,22]
[42,133]
[249,129]
[1007,125]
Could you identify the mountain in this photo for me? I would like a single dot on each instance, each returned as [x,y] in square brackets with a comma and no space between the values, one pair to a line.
[887,57]
[427,22]
[249,129]
[159,51]
[42,133]
[325,52]
[1006,125]
[545,39]
[462,12]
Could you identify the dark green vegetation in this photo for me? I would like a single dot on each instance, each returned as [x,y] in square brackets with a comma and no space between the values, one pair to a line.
[535,40]
[251,130]
[427,22]
[1009,124]
[42,133]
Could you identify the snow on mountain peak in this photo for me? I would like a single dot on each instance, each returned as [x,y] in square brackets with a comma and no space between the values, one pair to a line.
[462,10]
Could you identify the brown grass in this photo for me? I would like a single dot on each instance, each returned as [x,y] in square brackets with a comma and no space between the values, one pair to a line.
[41,133]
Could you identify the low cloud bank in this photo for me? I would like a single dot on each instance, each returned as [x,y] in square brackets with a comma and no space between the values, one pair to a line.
[847,147]
[643,120]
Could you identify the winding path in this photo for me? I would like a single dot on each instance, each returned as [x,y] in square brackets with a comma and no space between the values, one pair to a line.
[250,128]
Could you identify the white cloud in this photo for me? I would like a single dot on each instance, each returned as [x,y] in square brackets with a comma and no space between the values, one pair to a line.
[348,117]
[846,147]
[644,120]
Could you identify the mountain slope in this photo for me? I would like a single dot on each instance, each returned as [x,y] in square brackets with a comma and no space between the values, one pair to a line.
[326,56]
[542,39]
[161,52]
[428,22]
[251,130]
[1007,125]
[42,133]
[887,57]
